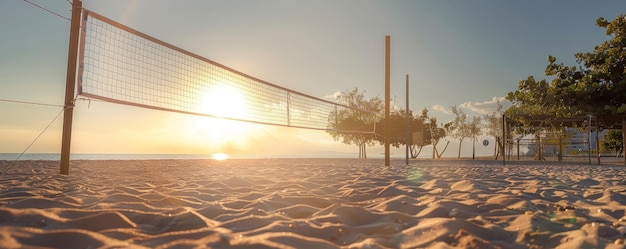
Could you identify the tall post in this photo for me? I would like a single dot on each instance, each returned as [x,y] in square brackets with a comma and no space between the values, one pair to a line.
[408,122]
[589,127]
[517,149]
[70,86]
[387,96]
[504,141]
[624,137]
[598,140]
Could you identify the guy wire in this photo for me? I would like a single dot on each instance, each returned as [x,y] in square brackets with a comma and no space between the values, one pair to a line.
[33,142]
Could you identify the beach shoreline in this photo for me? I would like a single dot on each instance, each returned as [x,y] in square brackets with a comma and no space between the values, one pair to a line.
[312,203]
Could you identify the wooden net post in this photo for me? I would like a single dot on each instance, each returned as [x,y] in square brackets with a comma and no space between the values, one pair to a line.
[70,86]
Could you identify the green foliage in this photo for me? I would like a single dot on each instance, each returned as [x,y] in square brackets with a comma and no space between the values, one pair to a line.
[493,122]
[360,123]
[459,124]
[429,133]
[539,98]
[597,85]
[397,128]
[613,141]
[370,129]
[464,127]
[421,124]
[493,126]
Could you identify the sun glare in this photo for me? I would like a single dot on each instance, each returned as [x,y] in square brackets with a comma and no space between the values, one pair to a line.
[219,156]
[223,103]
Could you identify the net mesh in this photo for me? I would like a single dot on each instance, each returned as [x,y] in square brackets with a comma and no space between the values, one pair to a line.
[125,66]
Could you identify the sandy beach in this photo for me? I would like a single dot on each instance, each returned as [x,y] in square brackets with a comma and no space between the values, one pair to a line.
[312,203]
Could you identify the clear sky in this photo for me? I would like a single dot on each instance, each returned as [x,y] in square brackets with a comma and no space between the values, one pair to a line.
[463,53]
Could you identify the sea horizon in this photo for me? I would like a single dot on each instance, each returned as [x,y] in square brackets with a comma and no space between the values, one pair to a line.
[140,156]
[164,156]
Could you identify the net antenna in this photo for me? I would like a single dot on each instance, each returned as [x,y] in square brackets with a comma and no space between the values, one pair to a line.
[121,65]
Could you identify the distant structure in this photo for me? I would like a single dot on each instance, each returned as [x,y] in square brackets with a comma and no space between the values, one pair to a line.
[574,142]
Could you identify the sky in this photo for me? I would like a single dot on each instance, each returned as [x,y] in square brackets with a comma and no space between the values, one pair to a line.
[457,53]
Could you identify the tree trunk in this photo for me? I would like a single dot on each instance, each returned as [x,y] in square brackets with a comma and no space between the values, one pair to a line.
[444,150]
[414,152]
[362,154]
[495,147]
[435,149]
[501,148]
[474,149]
[539,153]
[362,151]
[460,143]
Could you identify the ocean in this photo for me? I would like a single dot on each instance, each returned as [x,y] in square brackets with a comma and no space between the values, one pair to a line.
[81,156]
[57,156]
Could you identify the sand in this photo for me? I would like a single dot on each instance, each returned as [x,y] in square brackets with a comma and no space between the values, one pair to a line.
[312,203]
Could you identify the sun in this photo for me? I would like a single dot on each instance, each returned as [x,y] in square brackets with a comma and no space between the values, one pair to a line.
[219,156]
[221,105]
[224,102]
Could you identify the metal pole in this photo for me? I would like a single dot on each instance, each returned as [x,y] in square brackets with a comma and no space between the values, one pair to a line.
[70,87]
[387,96]
[504,140]
[589,140]
[598,140]
[624,138]
[518,149]
[408,122]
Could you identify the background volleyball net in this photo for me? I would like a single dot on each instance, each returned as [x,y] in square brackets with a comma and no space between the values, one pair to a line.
[124,66]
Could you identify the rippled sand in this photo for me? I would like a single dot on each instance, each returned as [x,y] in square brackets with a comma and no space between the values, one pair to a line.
[311,203]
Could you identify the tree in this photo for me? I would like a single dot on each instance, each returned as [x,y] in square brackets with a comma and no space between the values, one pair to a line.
[423,131]
[463,127]
[601,84]
[605,77]
[443,132]
[437,133]
[474,131]
[613,141]
[429,134]
[596,86]
[397,128]
[556,139]
[421,137]
[494,128]
[360,123]
[535,98]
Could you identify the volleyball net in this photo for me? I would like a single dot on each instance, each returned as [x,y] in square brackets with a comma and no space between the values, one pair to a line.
[121,65]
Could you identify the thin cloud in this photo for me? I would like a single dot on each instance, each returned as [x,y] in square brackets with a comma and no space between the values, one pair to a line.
[486,107]
[333,96]
[442,109]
